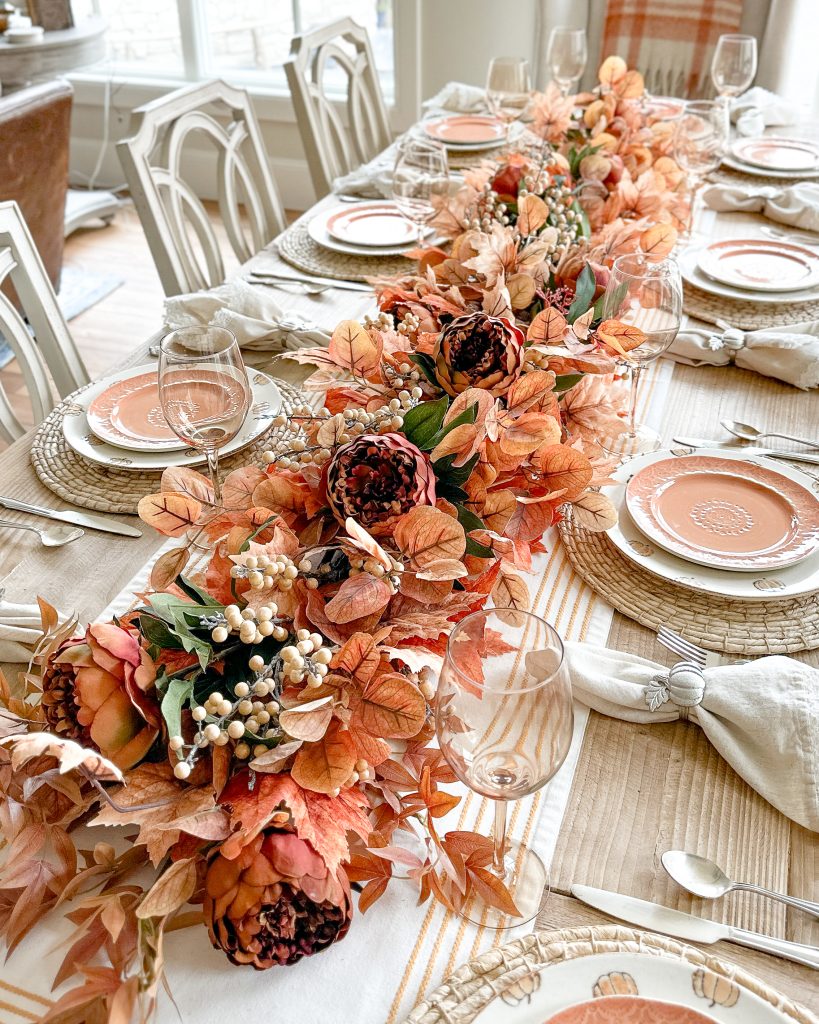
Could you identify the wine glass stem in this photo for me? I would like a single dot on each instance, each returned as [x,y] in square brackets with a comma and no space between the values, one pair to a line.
[636,370]
[213,469]
[499,836]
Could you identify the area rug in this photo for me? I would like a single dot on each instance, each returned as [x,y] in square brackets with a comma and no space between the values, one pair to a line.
[79,290]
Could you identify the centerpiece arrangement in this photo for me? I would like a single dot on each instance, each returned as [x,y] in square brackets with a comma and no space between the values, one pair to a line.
[258,725]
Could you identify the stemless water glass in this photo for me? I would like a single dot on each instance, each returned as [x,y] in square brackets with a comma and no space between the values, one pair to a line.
[508,87]
[420,174]
[504,723]
[700,138]
[203,390]
[733,65]
[645,294]
[566,56]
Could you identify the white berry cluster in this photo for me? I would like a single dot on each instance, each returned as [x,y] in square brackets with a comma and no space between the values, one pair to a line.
[251,626]
[535,360]
[488,211]
[362,563]
[306,661]
[559,198]
[265,572]
[382,322]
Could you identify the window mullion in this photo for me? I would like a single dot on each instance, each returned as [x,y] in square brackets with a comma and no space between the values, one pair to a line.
[193,28]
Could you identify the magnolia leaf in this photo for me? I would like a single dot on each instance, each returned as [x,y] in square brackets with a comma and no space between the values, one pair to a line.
[594,512]
[532,214]
[352,347]
[391,707]
[564,468]
[443,569]
[358,596]
[309,725]
[69,754]
[182,480]
[326,765]
[171,890]
[238,487]
[168,566]
[274,760]
[427,534]
[170,513]
[541,665]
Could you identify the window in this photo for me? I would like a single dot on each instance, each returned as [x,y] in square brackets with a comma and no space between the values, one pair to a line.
[243,41]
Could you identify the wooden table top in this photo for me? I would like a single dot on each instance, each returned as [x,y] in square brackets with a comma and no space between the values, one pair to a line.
[639,789]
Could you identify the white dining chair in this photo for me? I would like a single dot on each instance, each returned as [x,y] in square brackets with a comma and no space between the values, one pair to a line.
[36,332]
[336,143]
[165,147]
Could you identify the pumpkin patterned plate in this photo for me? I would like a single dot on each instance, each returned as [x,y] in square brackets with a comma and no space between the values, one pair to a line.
[625,988]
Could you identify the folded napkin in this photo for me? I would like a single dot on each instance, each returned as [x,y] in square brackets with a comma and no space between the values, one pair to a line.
[796,205]
[788,353]
[19,630]
[762,716]
[250,313]
[459,98]
[775,110]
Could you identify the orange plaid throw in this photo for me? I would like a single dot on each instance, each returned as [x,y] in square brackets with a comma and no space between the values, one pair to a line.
[669,41]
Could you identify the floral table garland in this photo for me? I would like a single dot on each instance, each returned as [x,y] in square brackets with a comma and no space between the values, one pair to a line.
[263,728]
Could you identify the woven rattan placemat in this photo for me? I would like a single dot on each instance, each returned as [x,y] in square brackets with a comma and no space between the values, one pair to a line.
[514,968]
[748,316]
[298,249]
[718,623]
[91,485]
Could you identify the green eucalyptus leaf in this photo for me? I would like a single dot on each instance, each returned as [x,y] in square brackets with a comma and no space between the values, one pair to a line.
[179,691]
[468,519]
[478,550]
[156,632]
[565,381]
[467,416]
[583,295]
[424,421]
[427,366]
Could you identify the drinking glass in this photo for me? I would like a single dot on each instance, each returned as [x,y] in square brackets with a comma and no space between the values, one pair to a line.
[645,294]
[504,721]
[508,88]
[566,56]
[700,138]
[420,174]
[733,65]
[203,390]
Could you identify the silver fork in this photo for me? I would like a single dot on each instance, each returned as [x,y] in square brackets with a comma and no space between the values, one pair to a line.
[679,645]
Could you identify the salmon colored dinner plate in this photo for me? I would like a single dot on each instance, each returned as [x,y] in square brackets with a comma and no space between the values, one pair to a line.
[764,265]
[629,1010]
[371,225]
[467,130]
[128,414]
[724,512]
[775,154]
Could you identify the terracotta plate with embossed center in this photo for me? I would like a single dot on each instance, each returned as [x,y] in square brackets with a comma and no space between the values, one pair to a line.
[723,512]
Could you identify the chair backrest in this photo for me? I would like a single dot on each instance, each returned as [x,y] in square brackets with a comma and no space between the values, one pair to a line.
[334,148]
[180,232]
[51,345]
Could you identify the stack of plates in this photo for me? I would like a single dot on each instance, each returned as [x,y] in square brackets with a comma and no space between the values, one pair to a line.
[772,157]
[720,523]
[364,229]
[118,422]
[754,270]
[467,131]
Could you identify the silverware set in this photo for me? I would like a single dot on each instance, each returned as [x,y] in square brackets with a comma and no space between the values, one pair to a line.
[53,537]
[309,284]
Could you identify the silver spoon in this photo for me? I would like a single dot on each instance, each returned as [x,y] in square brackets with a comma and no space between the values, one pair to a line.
[704,878]
[749,433]
[788,236]
[50,536]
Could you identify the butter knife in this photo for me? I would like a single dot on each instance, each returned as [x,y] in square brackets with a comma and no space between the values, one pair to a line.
[692,929]
[328,282]
[76,518]
[771,453]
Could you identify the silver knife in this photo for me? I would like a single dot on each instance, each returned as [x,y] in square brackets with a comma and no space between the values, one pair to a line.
[330,282]
[76,518]
[771,453]
[693,929]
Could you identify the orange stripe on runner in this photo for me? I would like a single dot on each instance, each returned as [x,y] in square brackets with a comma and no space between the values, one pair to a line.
[26,994]
[19,1012]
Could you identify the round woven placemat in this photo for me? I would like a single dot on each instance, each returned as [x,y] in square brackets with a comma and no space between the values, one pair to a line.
[718,623]
[748,316]
[472,987]
[298,249]
[103,489]
[729,176]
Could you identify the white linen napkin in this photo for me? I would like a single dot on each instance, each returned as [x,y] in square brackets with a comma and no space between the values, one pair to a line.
[775,109]
[796,205]
[458,97]
[787,353]
[19,630]
[762,716]
[249,312]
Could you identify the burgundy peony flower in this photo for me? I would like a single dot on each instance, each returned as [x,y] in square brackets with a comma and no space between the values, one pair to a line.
[98,690]
[507,181]
[275,903]
[376,479]
[479,351]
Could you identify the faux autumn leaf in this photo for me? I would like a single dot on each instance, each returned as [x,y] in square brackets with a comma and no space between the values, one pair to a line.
[357,658]
[658,240]
[354,349]
[532,214]
[532,392]
[326,765]
[521,289]
[171,513]
[594,512]
[358,596]
[182,480]
[564,469]
[547,328]
[172,889]
[238,487]
[308,721]
[365,542]
[528,432]
[391,707]
[426,535]
[443,569]
[618,337]
[168,566]
[510,591]
[70,755]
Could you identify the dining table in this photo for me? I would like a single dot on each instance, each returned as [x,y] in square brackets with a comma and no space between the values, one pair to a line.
[636,790]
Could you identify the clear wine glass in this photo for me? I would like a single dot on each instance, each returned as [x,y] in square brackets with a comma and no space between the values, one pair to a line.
[508,88]
[700,140]
[566,56]
[420,174]
[504,722]
[646,294]
[204,390]
[733,65]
